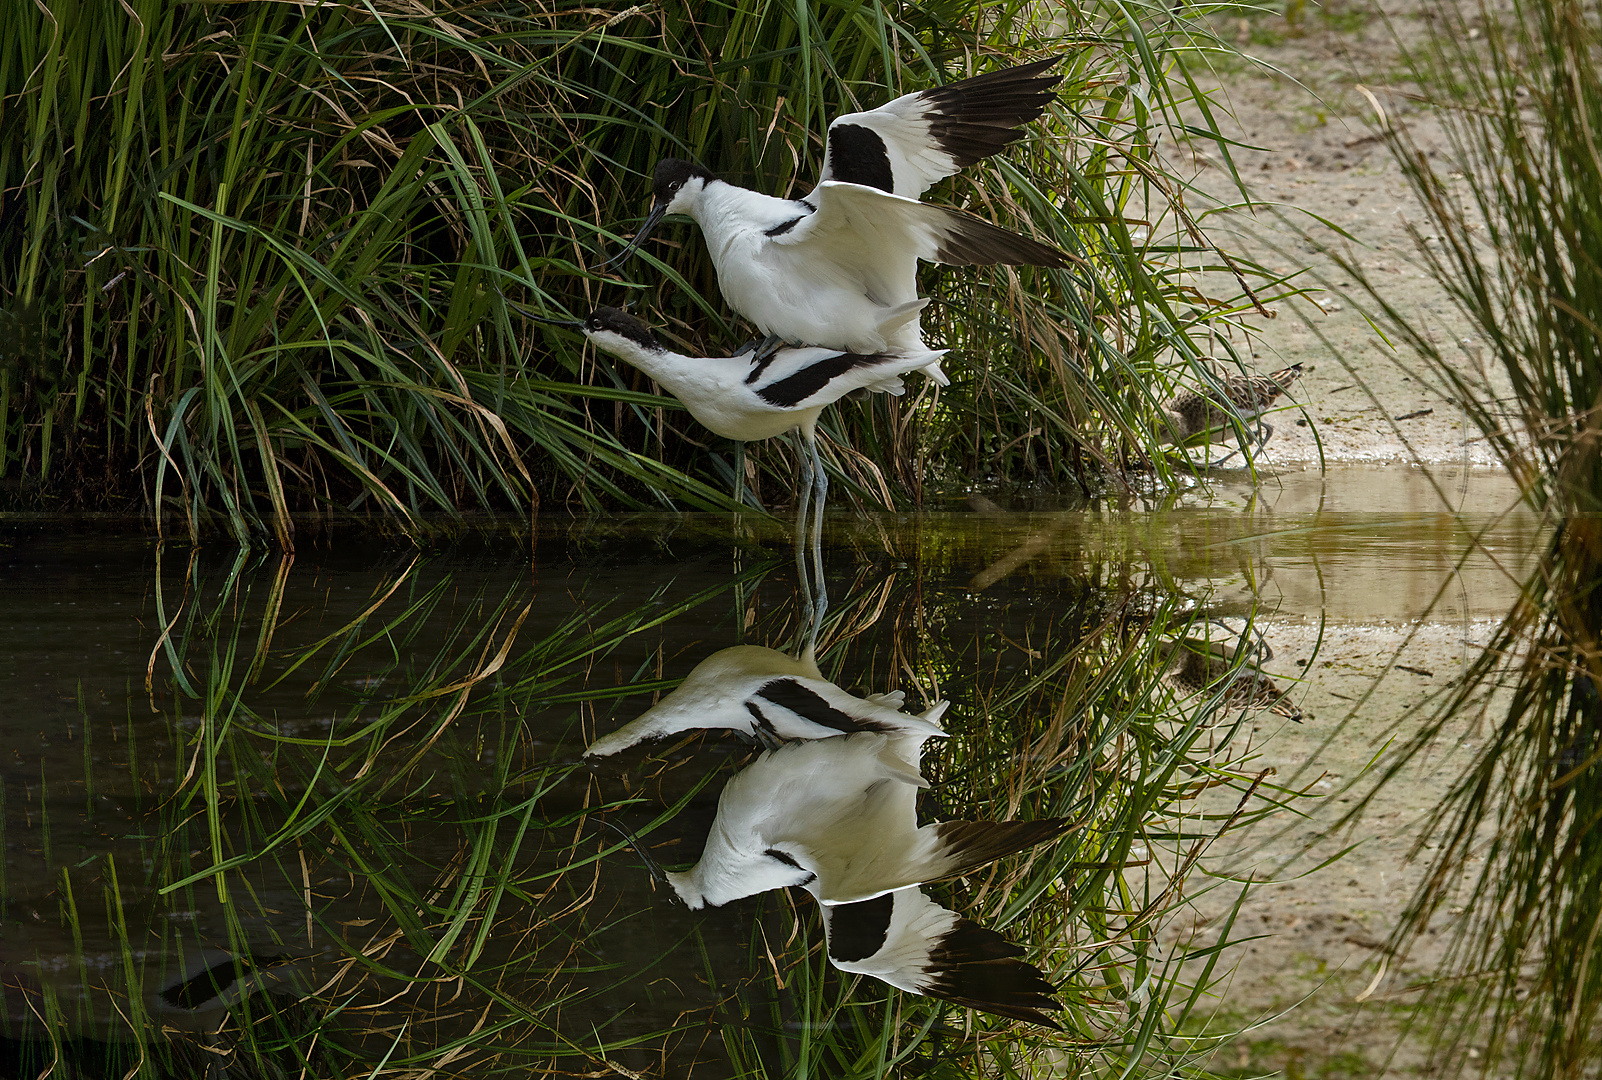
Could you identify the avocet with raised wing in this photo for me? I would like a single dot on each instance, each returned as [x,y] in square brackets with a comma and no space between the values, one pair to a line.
[839,816]
[834,268]
[909,941]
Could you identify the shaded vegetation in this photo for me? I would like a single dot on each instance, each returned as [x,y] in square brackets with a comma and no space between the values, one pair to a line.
[258,256]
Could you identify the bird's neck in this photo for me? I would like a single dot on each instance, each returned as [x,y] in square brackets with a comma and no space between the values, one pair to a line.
[725,205]
[654,362]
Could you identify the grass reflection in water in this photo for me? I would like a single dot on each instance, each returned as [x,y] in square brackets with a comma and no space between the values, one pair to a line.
[376,775]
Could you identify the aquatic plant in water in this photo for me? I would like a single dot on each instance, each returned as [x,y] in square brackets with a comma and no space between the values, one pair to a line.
[379,788]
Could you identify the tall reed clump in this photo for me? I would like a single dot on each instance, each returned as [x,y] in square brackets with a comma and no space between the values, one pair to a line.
[1524,118]
[259,255]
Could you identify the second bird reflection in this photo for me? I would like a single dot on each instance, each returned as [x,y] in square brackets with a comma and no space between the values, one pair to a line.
[831,807]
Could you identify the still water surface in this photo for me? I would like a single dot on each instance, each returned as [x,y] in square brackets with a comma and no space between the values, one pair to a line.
[362,766]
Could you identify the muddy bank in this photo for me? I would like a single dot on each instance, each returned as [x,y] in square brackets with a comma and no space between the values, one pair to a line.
[1316,992]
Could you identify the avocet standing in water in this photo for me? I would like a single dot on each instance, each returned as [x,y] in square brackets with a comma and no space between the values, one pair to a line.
[772,697]
[757,397]
[834,268]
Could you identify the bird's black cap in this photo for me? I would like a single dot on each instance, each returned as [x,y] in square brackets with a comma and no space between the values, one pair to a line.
[623,324]
[672,174]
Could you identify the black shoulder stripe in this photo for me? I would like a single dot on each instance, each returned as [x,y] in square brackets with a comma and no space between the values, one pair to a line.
[857,156]
[758,368]
[791,390]
[784,857]
[762,722]
[857,931]
[789,860]
[807,704]
[784,227]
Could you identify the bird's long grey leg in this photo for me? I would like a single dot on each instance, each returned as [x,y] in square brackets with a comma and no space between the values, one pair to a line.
[820,497]
[739,472]
[802,515]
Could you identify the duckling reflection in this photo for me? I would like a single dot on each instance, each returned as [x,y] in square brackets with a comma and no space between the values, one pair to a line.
[839,816]
[909,941]
[770,696]
[209,1006]
[211,982]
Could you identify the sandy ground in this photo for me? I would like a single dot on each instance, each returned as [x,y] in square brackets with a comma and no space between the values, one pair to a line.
[1322,162]
[1318,990]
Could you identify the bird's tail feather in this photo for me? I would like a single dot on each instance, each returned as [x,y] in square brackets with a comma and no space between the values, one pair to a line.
[899,316]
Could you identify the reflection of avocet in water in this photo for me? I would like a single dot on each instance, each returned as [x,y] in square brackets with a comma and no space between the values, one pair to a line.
[770,696]
[836,814]
[909,941]
[204,1012]
[211,982]
[838,817]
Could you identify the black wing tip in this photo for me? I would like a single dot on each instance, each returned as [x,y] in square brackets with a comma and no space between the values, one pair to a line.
[972,844]
[972,119]
[1028,1014]
[969,943]
[976,967]
[1031,76]
[973,241]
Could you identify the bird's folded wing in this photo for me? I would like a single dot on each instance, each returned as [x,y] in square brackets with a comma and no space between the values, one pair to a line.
[712,696]
[808,378]
[871,232]
[906,145]
[727,872]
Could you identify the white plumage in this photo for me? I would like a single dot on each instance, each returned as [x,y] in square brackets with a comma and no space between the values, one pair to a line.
[839,816]
[834,269]
[743,398]
[770,696]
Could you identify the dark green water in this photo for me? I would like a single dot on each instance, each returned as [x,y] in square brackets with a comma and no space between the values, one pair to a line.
[366,761]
